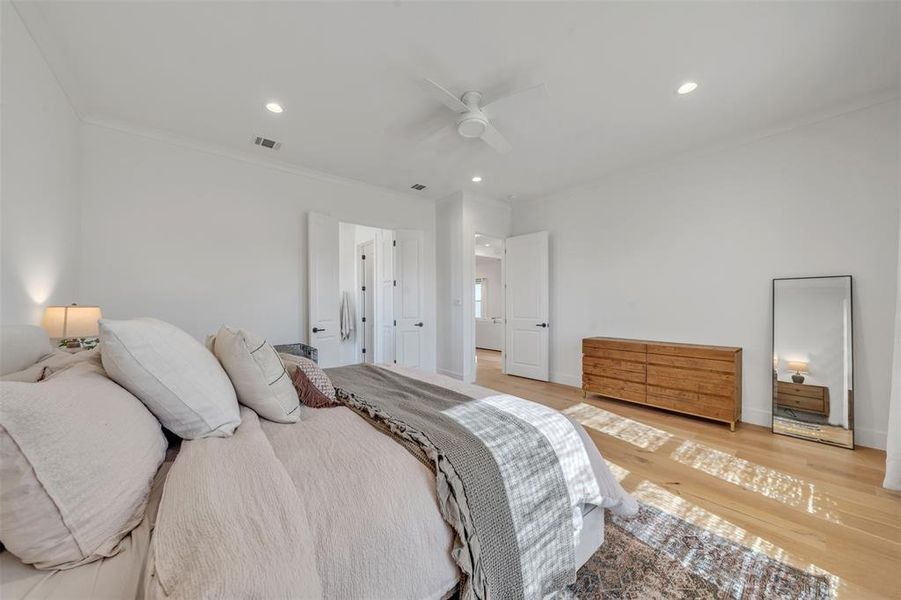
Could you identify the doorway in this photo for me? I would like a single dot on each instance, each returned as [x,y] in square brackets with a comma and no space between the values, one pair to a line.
[393,305]
[488,302]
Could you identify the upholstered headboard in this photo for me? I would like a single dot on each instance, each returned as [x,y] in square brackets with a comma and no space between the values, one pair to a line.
[21,346]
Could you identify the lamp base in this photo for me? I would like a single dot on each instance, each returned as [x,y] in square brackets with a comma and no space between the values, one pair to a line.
[798,378]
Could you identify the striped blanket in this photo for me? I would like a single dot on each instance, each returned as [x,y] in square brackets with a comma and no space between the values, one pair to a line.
[512,476]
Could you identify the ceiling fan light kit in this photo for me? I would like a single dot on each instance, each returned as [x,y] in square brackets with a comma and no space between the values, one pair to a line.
[472,121]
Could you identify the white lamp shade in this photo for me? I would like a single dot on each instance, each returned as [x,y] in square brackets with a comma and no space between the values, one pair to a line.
[799,366]
[72,321]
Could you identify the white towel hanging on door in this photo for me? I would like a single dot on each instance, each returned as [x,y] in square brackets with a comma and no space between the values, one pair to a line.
[347,316]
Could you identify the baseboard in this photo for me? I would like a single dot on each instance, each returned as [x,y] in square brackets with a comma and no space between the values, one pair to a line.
[870,438]
[755,416]
[567,379]
[448,373]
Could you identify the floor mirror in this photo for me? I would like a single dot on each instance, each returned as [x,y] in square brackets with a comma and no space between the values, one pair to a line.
[813,363]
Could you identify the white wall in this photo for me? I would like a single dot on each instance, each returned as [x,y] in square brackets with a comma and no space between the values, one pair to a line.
[460,216]
[450,257]
[201,239]
[686,251]
[39,204]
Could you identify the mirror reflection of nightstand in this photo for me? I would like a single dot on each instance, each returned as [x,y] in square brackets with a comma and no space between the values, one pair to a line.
[803,396]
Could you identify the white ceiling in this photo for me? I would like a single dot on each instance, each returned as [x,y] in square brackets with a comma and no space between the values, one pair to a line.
[347,75]
[489,247]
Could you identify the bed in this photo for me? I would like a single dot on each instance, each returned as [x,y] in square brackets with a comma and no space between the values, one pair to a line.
[331,507]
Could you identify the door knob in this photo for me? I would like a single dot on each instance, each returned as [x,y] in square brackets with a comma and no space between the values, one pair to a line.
[317,330]
[417,324]
[541,325]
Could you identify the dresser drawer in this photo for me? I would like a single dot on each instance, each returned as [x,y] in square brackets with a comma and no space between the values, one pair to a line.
[689,362]
[613,344]
[704,382]
[625,371]
[614,354]
[799,389]
[817,405]
[687,350]
[615,388]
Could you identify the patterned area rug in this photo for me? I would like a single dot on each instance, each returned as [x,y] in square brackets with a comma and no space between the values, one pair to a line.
[657,555]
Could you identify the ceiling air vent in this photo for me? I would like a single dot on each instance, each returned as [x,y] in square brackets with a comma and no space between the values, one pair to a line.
[266,143]
[418,187]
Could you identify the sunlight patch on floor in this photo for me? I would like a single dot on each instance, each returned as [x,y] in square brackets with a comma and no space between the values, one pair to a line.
[656,496]
[618,472]
[625,429]
[779,486]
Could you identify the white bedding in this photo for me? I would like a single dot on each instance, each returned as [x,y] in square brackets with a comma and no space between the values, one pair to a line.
[113,578]
[368,540]
[371,540]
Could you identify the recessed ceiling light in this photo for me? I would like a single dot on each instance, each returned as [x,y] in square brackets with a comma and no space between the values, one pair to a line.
[487,245]
[274,107]
[687,87]
[476,179]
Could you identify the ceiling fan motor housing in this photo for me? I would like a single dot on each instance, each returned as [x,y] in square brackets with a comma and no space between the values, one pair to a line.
[472,124]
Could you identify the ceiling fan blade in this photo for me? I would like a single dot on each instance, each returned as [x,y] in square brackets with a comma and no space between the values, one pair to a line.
[445,97]
[493,138]
[522,95]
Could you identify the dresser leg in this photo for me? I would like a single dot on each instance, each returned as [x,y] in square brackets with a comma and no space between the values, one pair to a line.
[732,426]
[584,394]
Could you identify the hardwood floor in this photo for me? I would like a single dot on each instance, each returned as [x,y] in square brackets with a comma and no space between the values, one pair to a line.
[816,507]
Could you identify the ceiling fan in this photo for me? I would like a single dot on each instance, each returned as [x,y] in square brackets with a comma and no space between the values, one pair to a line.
[474,119]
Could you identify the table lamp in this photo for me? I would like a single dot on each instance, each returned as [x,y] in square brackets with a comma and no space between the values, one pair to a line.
[798,366]
[71,324]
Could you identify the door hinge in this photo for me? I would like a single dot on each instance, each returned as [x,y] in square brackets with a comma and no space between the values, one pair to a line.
[364,350]
[395,322]
[395,361]
[364,319]
[364,288]
[395,283]
[394,243]
[364,257]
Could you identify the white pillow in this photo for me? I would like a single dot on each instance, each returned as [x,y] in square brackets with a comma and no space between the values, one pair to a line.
[178,379]
[78,455]
[258,374]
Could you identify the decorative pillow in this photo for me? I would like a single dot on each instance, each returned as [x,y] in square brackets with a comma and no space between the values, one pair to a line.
[313,372]
[258,374]
[178,379]
[78,455]
[308,393]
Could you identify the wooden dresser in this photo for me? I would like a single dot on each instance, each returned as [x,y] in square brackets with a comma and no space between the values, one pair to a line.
[803,396]
[698,380]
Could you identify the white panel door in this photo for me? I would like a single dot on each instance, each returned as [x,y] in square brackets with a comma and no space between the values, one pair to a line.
[526,347]
[408,309]
[324,288]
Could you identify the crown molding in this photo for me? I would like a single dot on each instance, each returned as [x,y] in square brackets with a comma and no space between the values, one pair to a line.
[168,137]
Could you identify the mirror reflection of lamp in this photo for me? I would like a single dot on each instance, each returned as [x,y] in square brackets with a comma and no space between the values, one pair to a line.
[75,326]
[798,366]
